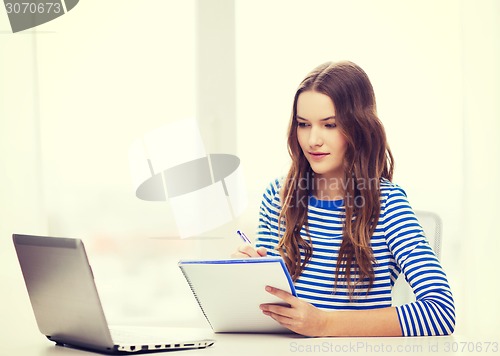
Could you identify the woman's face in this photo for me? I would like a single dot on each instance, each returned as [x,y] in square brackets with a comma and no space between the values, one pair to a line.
[322,142]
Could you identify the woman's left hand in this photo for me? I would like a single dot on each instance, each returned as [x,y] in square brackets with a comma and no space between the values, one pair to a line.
[300,317]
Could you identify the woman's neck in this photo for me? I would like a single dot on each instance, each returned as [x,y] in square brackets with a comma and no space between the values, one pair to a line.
[328,188]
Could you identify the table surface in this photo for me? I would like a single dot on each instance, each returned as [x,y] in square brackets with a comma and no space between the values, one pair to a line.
[279,344]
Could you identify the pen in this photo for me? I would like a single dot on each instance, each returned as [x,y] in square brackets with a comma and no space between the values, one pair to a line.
[243,237]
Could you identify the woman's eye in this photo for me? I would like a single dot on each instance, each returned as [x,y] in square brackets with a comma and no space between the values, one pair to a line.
[302,124]
[331,126]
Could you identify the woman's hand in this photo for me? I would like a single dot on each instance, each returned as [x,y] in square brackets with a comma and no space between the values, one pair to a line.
[300,317]
[247,250]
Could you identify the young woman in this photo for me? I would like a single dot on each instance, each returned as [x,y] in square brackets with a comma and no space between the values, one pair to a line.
[343,228]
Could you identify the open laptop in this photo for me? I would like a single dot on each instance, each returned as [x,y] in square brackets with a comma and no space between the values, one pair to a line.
[67,307]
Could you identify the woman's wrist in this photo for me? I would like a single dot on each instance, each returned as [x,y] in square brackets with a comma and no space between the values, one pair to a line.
[328,327]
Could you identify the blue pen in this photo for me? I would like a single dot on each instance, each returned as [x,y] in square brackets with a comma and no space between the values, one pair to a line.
[243,236]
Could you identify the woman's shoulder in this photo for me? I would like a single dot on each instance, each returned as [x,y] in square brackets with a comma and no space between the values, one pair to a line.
[273,192]
[271,198]
[273,188]
[392,196]
[388,188]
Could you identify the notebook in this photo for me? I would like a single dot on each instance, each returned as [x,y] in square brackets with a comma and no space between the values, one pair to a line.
[230,291]
[67,307]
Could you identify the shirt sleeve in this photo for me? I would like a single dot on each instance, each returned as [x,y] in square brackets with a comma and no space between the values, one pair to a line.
[433,312]
[268,229]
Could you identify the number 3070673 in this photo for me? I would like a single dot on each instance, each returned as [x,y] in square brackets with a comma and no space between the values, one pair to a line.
[33,8]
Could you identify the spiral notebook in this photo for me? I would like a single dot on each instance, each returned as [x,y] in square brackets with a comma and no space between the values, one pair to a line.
[230,291]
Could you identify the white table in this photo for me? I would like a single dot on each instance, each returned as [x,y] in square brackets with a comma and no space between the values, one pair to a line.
[279,344]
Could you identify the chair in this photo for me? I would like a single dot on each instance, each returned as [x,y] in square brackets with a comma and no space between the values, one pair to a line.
[432,225]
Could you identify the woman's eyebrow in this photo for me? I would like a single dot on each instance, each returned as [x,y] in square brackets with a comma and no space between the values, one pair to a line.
[325,119]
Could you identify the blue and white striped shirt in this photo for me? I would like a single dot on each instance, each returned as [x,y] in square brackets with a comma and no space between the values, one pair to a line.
[399,245]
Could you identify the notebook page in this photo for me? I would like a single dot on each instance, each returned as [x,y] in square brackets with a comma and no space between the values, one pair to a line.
[230,291]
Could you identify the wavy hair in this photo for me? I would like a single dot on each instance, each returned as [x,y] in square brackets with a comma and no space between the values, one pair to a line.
[367,160]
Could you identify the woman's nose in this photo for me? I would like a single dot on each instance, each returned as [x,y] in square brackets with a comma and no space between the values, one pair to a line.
[315,138]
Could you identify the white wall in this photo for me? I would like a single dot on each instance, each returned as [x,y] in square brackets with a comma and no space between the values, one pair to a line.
[481,152]
[108,78]
[76,91]
[20,189]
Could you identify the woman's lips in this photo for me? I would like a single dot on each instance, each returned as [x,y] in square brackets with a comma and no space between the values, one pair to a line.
[317,156]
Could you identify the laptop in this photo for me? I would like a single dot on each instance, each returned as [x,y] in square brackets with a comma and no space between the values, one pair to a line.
[67,307]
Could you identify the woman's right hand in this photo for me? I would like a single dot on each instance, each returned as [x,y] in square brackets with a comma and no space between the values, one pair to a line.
[247,250]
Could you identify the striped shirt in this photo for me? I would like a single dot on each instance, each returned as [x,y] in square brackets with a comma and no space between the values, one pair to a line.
[398,244]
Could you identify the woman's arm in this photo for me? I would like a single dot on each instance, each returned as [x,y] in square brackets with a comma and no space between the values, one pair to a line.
[433,312]
[304,318]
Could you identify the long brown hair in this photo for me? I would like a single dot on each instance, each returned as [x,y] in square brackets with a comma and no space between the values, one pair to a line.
[367,160]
